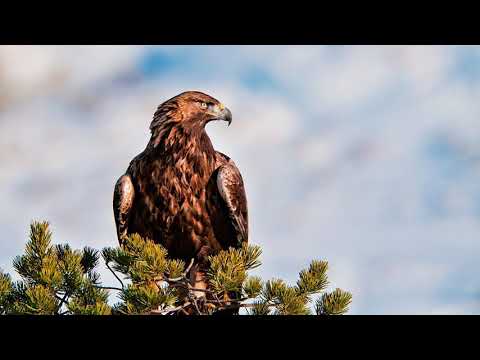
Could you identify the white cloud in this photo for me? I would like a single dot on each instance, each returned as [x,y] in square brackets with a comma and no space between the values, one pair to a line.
[333,156]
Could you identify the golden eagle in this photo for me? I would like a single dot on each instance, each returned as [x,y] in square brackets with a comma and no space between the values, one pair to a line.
[179,191]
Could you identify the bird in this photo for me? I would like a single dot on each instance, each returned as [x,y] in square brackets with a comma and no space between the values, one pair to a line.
[180,192]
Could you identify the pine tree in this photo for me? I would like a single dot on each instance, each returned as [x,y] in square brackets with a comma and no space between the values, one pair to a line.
[56,279]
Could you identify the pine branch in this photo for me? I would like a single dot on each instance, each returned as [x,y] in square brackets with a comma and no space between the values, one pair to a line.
[56,275]
[334,303]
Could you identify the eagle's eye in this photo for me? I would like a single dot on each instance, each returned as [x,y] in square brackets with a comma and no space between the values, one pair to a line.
[204,105]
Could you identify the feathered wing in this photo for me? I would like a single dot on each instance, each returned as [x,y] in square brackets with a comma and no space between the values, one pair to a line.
[123,197]
[232,192]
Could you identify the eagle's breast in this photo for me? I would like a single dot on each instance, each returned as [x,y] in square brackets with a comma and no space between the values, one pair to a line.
[172,186]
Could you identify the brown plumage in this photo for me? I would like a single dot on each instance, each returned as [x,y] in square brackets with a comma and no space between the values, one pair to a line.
[179,191]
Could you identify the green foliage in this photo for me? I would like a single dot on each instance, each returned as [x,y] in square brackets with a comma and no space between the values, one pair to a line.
[228,272]
[39,264]
[334,303]
[89,300]
[55,279]
[35,300]
[146,265]
[6,293]
[259,308]
[228,269]
[141,260]
[314,279]
[252,287]
[283,299]
[140,299]
[90,259]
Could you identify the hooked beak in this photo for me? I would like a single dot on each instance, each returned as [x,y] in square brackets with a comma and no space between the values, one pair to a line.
[224,114]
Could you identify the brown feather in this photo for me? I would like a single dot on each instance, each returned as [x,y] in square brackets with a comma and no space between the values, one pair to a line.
[179,191]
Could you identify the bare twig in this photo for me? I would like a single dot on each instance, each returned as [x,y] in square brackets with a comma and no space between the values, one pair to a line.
[179,278]
[198,289]
[188,268]
[114,274]
[173,280]
[237,306]
[107,287]
[179,283]
[170,310]
[228,301]
[167,279]
[194,299]
[62,301]
[184,306]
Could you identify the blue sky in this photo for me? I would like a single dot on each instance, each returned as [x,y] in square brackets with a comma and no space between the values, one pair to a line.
[366,156]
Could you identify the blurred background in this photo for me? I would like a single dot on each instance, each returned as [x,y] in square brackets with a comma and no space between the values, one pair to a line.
[367,157]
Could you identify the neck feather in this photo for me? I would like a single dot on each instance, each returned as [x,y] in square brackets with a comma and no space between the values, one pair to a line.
[180,144]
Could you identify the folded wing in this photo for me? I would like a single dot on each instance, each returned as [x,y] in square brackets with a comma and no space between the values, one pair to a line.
[123,196]
[232,192]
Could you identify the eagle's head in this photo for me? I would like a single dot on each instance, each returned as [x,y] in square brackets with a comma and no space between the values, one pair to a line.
[190,110]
